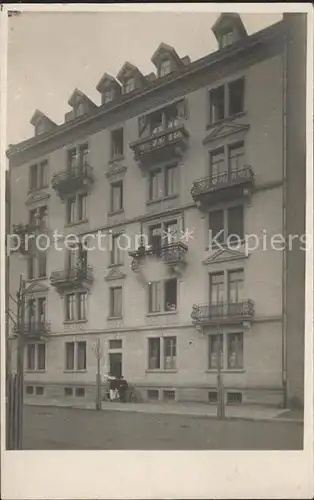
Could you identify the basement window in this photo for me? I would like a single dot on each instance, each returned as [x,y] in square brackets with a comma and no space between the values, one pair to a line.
[39,391]
[234,398]
[169,395]
[29,389]
[68,391]
[153,394]
[80,392]
[212,397]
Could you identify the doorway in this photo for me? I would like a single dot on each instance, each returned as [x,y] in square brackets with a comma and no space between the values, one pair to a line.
[115,364]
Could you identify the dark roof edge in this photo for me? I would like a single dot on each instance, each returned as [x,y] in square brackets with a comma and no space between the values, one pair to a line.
[199,64]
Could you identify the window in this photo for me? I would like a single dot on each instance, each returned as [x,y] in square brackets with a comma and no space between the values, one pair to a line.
[217,164]
[81,355]
[155,184]
[235,285]
[75,356]
[36,357]
[42,264]
[168,395]
[115,344]
[217,288]
[170,180]
[129,85]
[71,159]
[29,389]
[236,157]
[71,210]
[154,354]
[234,398]
[117,143]
[117,196]
[171,232]
[217,104]
[154,237]
[31,268]
[171,294]
[153,394]
[38,175]
[235,350]
[76,306]
[83,155]
[236,97]
[79,109]
[154,292]
[116,302]
[39,390]
[215,347]
[156,123]
[226,100]
[165,67]
[68,391]
[107,96]
[41,305]
[212,397]
[162,296]
[82,206]
[226,39]
[36,311]
[226,226]
[170,353]
[172,116]
[42,217]
[80,392]
[116,253]
[76,208]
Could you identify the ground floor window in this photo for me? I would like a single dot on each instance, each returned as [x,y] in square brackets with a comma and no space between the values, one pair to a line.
[75,355]
[225,351]
[36,357]
[162,353]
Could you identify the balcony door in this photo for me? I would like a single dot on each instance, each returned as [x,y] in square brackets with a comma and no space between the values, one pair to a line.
[218,167]
[235,291]
[216,294]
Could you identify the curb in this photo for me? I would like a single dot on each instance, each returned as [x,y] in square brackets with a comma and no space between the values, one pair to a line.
[176,413]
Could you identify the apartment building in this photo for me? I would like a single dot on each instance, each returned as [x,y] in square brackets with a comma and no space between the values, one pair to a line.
[166,163]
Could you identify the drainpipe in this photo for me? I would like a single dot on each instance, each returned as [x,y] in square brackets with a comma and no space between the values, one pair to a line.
[284,222]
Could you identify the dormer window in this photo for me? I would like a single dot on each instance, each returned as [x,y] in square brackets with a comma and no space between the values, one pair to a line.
[226,39]
[40,128]
[165,67]
[79,110]
[108,96]
[129,85]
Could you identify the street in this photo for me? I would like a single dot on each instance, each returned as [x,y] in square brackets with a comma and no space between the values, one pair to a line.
[48,428]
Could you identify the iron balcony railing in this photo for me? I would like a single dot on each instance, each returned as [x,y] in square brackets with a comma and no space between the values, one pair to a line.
[223,311]
[203,186]
[170,136]
[34,328]
[71,275]
[82,172]
[173,253]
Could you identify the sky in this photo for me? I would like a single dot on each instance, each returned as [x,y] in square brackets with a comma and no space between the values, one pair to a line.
[52,53]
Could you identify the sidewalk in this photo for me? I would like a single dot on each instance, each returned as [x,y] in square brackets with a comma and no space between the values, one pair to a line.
[242,412]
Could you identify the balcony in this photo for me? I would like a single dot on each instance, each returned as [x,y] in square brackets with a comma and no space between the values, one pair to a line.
[226,312]
[172,255]
[162,146]
[72,278]
[70,180]
[35,329]
[223,187]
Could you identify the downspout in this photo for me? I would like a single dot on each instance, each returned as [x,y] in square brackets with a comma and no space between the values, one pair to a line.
[284,223]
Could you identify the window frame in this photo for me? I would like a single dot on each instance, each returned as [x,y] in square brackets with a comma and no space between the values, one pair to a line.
[75,343]
[41,176]
[36,357]
[119,186]
[73,302]
[223,239]
[161,289]
[226,90]
[112,311]
[161,364]
[225,366]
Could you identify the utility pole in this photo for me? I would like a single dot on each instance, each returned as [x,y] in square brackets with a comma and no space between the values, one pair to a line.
[220,389]
[98,354]
[20,360]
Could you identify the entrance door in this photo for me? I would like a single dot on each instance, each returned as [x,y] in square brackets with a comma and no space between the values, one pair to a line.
[115,364]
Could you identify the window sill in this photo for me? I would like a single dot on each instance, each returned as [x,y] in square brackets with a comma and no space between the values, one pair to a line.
[225,246]
[34,371]
[116,158]
[225,120]
[75,371]
[116,212]
[172,370]
[164,198]
[110,266]
[38,189]
[114,317]
[77,223]
[71,322]
[225,370]
[161,313]
[33,280]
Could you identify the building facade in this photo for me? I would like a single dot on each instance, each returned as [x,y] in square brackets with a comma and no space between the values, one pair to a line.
[163,184]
